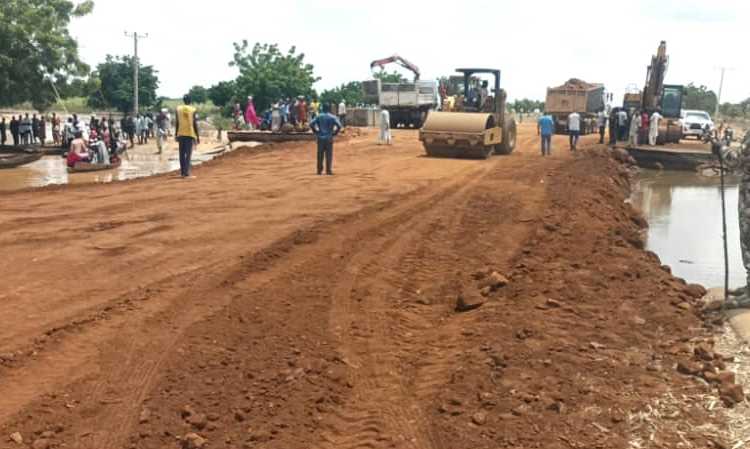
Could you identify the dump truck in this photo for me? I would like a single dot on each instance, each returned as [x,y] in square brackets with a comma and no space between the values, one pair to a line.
[408,103]
[575,96]
[473,128]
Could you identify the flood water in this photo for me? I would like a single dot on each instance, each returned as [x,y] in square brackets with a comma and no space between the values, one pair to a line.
[685,229]
[136,163]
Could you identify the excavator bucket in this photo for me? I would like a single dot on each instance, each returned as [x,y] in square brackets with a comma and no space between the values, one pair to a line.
[460,135]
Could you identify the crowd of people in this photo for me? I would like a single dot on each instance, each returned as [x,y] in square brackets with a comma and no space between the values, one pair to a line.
[297,112]
[25,130]
[639,127]
[36,130]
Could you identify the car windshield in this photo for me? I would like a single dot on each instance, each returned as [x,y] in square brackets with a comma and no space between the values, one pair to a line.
[698,116]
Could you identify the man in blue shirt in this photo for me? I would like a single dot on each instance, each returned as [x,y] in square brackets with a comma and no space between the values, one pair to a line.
[546,128]
[325,126]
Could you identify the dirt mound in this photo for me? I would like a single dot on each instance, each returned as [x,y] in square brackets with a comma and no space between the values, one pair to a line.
[351,132]
[577,84]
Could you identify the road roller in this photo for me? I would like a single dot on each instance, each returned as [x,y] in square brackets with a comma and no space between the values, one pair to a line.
[476,128]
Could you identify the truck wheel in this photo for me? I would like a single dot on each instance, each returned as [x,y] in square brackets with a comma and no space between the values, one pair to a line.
[509,138]
[418,122]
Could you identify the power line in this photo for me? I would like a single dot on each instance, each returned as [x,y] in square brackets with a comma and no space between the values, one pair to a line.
[135,37]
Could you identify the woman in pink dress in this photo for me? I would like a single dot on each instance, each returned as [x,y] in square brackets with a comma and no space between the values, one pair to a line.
[251,118]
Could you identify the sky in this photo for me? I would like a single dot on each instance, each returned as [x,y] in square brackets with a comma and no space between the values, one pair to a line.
[535,45]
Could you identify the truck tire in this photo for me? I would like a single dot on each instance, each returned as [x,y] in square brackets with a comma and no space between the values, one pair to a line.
[419,121]
[509,138]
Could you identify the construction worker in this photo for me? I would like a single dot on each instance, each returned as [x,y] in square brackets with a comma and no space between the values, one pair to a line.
[653,131]
[545,128]
[738,160]
[342,112]
[613,126]
[385,126]
[622,124]
[186,133]
[574,129]
[601,122]
[326,126]
[483,94]
[635,126]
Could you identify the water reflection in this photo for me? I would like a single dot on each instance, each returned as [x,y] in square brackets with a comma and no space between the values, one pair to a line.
[138,162]
[684,215]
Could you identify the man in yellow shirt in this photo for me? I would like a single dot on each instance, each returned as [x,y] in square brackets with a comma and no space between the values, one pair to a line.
[186,134]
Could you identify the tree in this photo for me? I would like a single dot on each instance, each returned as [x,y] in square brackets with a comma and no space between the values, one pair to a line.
[113,85]
[745,106]
[268,74]
[393,77]
[700,98]
[351,92]
[198,94]
[73,87]
[731,110]
[526,105]
[223,93]
[37,47]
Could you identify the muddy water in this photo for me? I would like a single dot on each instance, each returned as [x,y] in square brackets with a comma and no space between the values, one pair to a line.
[136,163]
[684,215]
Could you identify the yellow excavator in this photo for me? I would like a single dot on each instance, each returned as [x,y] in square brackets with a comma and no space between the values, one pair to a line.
[473,129]
[657,95]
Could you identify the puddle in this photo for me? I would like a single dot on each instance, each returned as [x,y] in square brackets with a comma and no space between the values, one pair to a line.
[684,215]
[138,162]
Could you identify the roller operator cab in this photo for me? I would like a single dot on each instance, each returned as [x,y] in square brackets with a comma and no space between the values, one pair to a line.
[476,126]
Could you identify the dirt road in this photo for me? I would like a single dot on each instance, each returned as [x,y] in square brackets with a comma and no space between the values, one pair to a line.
[261,305]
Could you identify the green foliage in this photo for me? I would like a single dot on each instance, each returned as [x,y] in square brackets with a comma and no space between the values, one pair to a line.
[113,85]
[73,88]
[731,110]
[700,98]
[351,92]
[199,94]
[37,47]
[393,77]
[268,74]
[223,93]
[526,105]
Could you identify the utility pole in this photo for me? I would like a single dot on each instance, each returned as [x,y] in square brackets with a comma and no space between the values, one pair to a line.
[721,84]
[135,36]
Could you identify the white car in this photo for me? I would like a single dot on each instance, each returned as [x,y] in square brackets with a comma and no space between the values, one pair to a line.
[694,121]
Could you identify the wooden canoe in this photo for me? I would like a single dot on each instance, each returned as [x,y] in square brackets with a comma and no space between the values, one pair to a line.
[86,167]
[268,136]
[19,159]
[671,157]
[64,153]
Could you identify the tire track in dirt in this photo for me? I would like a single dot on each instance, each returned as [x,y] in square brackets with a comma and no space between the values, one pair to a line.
[138,343]
[367,312]
[131,379]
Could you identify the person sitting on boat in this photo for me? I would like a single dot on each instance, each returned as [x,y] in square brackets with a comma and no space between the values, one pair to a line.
[99,150]
[78,151]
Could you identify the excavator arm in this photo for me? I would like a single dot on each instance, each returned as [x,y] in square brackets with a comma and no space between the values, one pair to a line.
[398,60]
[655,77]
